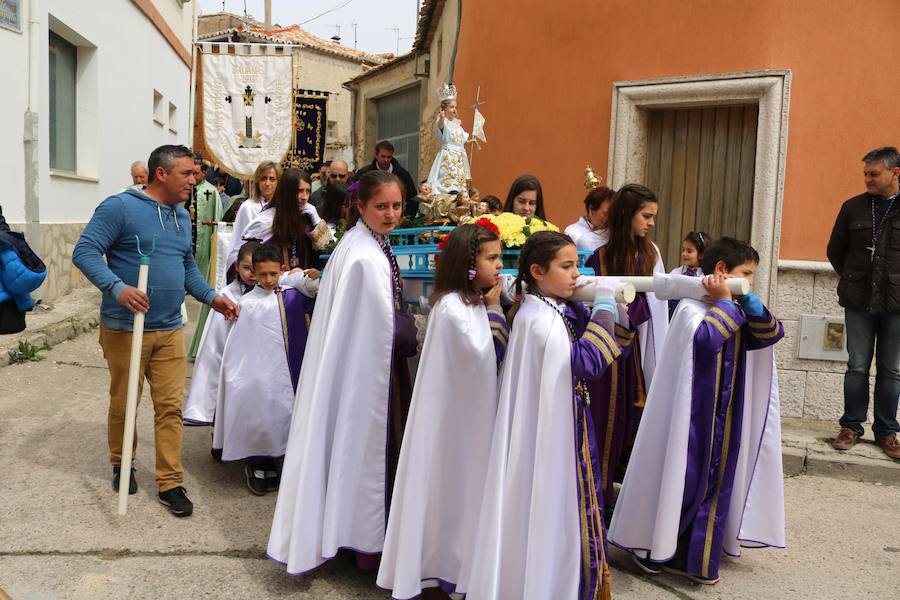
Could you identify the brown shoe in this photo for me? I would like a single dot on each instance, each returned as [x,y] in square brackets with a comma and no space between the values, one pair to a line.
[846,439]
[890,445]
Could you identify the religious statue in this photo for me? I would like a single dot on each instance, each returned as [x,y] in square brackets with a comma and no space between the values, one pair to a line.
[591,181]
[450,169]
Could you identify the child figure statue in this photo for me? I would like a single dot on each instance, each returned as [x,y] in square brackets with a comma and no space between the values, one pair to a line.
[450,169]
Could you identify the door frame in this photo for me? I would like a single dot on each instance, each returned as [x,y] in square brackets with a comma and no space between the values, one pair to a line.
[770,89]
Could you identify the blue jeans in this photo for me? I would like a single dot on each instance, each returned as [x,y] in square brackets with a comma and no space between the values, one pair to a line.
[868,334]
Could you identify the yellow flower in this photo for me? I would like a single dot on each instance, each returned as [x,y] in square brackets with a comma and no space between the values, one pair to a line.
[514,229]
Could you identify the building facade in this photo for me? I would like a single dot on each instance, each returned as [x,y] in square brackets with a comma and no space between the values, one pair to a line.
[89,90]
[397,101]
[748,119]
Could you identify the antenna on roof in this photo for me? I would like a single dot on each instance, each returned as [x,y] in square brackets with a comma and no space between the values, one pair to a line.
[354,26]
[396,31]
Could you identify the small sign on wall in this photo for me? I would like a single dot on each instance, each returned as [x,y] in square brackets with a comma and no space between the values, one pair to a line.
[11,15]
[823,338]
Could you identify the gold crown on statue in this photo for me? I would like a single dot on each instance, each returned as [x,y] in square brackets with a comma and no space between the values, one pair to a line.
[447,92]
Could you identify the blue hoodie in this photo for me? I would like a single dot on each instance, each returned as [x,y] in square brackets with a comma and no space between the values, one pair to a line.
[112,231]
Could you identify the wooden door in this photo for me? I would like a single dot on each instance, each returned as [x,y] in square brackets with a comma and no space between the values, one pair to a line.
[701,164]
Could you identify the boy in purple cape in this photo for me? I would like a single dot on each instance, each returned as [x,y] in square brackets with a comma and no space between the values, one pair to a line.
[705,474]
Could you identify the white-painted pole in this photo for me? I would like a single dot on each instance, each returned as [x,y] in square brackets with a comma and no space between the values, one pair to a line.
[585,293]
[625,291]
[134,378]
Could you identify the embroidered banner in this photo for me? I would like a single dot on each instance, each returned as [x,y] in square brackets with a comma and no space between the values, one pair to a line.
[310,124]
[246,110]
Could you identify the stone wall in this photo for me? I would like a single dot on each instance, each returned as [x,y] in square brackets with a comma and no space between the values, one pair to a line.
[811,389]
[57,243]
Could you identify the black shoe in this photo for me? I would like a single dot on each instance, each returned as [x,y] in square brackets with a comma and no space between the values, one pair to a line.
[216,454]
[132,482]
[176,501]
[256,479]
[273,479]
[647,566]
[678,567]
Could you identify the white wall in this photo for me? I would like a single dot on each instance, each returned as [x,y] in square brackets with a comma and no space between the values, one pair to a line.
[133,60]
[117,78]
[13,97]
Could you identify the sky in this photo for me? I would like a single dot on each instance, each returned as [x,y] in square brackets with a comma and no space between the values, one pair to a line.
[375,19]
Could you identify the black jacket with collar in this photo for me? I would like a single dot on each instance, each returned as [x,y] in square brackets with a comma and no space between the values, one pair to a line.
[404,176]
[867,284]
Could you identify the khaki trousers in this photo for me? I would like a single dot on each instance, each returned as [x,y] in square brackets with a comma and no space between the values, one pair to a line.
[163,365]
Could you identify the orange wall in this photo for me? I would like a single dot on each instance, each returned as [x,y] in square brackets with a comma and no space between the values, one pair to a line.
[546,71]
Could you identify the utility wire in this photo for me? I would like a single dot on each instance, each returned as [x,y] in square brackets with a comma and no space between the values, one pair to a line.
[330,10]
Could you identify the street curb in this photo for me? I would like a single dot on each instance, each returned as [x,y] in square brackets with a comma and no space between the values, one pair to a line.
[818,459]
[68,326]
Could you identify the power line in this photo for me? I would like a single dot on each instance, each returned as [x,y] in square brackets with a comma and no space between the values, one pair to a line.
[330,10]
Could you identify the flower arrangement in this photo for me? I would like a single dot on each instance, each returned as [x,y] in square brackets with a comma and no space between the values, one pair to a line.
[514,229]
[482,222]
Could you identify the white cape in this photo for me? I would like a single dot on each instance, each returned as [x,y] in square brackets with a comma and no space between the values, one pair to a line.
[652,335]
[585,236]
[648,509]
[200,406]
[332,492]
[443,459]
[256,397]
[528,543]
[258,227]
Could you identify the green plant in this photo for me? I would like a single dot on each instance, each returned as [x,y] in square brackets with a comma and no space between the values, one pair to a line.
[339,230]
[27,352]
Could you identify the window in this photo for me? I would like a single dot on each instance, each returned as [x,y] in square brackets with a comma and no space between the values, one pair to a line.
[331,130]
[173,118]
[63,141]
[158,116]
[398,121]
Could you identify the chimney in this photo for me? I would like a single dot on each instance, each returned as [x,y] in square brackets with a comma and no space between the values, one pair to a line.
[268,15]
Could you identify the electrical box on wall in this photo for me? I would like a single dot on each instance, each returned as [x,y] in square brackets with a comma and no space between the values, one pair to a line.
[823,338]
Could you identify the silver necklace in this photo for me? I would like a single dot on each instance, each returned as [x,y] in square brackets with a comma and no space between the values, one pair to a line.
[876,231]
[580,385]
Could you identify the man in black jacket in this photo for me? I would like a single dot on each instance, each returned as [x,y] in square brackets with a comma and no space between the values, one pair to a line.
[384,160]
[865,251]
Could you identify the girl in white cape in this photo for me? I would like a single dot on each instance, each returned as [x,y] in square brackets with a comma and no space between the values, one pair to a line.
[437,491]
[351,399]
[266,178]
[540,533]
[619,396]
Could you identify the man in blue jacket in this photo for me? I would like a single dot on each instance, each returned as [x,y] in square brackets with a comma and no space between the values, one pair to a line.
[154,216]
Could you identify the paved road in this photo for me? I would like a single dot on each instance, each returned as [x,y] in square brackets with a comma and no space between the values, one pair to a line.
[60,536]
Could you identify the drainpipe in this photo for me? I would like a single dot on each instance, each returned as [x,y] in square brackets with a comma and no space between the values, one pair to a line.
[455,40]
[192,93]
[353,98]
[30,138]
